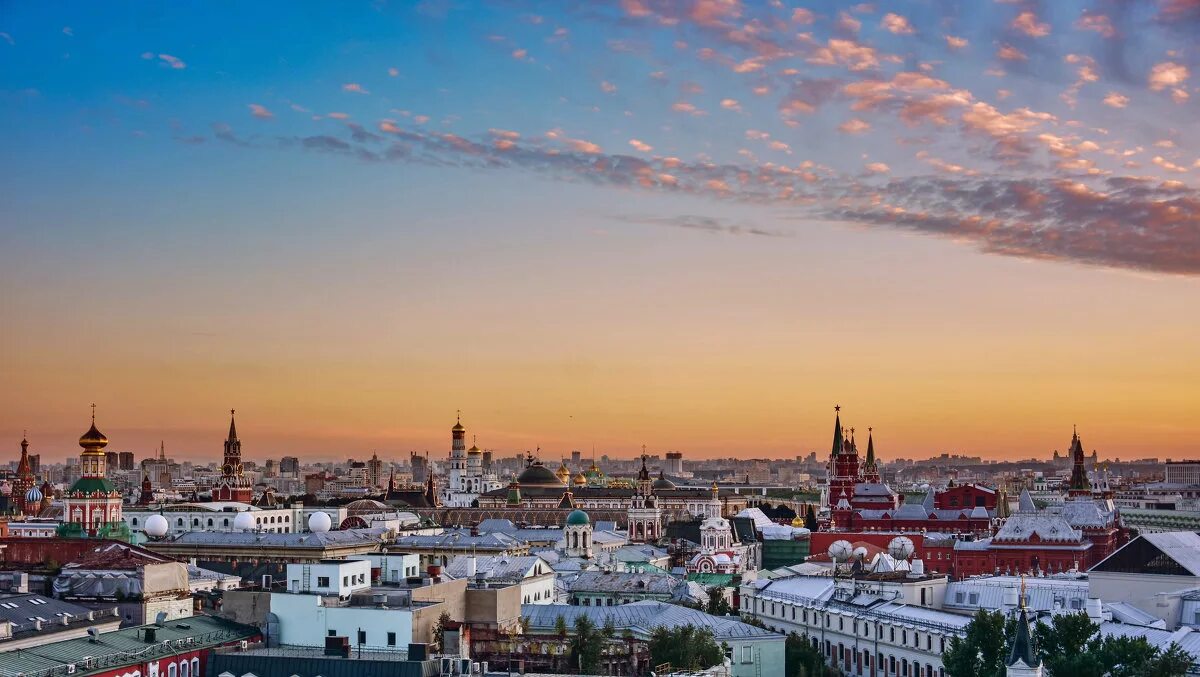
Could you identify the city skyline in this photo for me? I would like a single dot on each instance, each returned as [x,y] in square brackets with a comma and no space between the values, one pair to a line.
[689,225]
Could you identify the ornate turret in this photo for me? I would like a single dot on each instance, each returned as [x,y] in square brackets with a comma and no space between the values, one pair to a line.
[1023,660]
[146,497]
[643,476]
[1079,485]
[92,506]
[24,481]
[233,485]
[871,467]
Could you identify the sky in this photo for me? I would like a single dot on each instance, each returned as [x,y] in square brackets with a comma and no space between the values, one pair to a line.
[693,225]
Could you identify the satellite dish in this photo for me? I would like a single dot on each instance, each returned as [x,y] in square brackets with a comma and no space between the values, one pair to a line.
[901,547]
[319,522]
[860,552]
[160,619]
[840,551]
[156,526]
[244,521]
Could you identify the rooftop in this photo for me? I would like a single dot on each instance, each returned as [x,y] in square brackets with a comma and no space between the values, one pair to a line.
[121,647]
[641,618]
[26,609]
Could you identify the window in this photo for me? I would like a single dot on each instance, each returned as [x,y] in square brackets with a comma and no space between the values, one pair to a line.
[332,632]
[973,599]
[391,639]
[747,655]
[322,581]
[345,580]
[959,597]
[172,670]
[184,668]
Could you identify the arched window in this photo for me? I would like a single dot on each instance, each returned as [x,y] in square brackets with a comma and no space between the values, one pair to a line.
[225,522]
[172,670]
[195,521]
[135,521]
[210,521]
[195,667]
[179,521]
[185,668]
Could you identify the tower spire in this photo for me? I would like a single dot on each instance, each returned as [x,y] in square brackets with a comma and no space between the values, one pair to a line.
[837,429]
[232,428]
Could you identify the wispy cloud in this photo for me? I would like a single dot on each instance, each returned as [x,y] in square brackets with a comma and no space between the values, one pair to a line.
[704,224]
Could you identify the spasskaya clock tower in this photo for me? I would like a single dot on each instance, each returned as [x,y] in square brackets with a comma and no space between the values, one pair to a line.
[233,485]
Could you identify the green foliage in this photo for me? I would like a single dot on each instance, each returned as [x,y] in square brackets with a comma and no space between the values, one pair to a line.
[685,648]
[587,646]
[437,645]
[717,604]
[1065,645]
[610,628]
[982,651]
[802,659]
[1069,645]
[810,519]
[560,626]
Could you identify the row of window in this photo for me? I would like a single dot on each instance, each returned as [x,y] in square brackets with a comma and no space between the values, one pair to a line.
[362,638]
[825,619]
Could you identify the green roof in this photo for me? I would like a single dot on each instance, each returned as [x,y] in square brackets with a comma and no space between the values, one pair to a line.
[578,518]
[92,485]
[709,580]
[114,649]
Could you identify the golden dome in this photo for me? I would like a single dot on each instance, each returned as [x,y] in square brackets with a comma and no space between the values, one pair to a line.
[474,450]
[93,439]
[797,522]
[563,473]
[579,480]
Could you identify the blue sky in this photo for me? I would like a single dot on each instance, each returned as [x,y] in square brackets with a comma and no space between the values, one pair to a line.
[308,204]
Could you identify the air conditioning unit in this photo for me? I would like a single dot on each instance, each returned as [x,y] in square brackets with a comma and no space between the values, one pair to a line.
[245,645]
[70,668]
[87,662]
[447,666]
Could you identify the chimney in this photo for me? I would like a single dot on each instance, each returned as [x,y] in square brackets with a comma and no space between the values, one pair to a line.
[471,564]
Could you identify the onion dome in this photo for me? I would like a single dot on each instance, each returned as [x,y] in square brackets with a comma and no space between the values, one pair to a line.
[93,439]
[474,449]
[578,518]
[563,473]
[538,475]
[34,495]
[662,482]
[458,426]
[579,480]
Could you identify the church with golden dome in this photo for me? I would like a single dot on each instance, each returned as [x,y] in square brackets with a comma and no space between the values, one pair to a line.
[92,506]
[466,477]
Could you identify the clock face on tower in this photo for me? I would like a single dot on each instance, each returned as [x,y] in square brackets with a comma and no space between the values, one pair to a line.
[227,469]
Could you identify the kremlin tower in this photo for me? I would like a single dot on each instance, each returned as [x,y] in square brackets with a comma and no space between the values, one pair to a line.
[233,485]
[25,483]
[92,506]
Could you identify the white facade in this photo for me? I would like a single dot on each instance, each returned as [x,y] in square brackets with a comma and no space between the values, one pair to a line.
[393,567]
[220,515]
[893,638]
[1183,472]
[305,620]
[329,577]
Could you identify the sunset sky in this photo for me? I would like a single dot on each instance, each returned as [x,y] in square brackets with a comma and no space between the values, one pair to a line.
[694,225]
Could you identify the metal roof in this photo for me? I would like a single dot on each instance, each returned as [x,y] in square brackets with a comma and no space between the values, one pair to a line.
[603,581]
[123,647]
[510,569]
[25,609]
[316,540]
[641,618]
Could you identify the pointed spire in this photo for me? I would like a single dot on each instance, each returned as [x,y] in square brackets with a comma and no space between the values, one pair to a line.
[1079,485]
[870,447]
[837,429]
[233,428]
[1023,649]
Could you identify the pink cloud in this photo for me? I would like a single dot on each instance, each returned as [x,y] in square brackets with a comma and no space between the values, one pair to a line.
[260,111]
[1116,100]
[1010,53]
[854,126]
[896,24]
[393,72]
[685,107]
[878,168]
[640,146]
[1028,23]
[1167,74]
[848,23]
[1099,23]
[954,42]
[802,16]
[354,88]
[851,54]
[731,104]
[607,87]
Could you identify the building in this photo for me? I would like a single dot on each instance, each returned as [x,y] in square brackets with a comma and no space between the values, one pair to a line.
[751,651]
[532,573]
[262,661]
[92,506]
[179,648]
[1183,472]
[221,516]
[30,620]
[610,588]
[233,485]
[141,583]
[1149,572]
[466,479]
[289,466]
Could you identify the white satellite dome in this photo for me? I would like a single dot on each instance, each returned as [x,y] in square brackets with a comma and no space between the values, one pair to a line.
[319,522]
[156,526]
[244,521]
[840,551]
[900,547]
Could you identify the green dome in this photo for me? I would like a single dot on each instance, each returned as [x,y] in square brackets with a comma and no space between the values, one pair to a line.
[578,518]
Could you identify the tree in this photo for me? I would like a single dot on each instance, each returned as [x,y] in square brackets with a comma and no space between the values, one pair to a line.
[436,646]
[810,518]
[586,646]
[802,659]
[1064,645]
[981,652]
[685,648]
[717,604]
[610,628]
[560,627]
